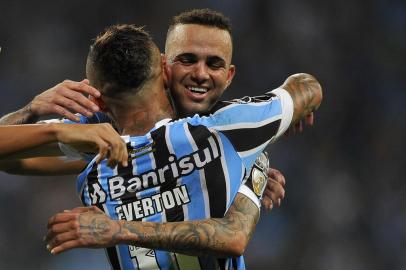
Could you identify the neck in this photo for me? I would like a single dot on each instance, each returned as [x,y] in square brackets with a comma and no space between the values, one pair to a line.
[138,114]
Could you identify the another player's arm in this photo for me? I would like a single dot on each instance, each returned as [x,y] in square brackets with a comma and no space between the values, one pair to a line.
[64,99]
[22,116]
[40,140]
[306,94]
[221,237]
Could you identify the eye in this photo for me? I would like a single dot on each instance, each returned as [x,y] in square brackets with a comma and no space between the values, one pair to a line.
[216,63]
[186,59]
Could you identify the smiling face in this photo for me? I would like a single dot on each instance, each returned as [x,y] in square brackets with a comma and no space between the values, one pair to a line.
[198,65]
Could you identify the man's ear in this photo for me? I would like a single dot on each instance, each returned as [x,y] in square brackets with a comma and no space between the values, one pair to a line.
[166,71]
[230,74]
[99,102]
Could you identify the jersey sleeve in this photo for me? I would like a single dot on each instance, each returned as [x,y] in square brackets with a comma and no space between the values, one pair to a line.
[254,185]
[251,123]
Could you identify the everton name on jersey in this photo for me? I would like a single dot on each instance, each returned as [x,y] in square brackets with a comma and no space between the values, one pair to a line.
[186,169]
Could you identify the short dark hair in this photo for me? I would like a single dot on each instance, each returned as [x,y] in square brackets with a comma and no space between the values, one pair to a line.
[204,16]
[121,58]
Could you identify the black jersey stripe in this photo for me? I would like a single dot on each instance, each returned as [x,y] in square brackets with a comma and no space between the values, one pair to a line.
[113,258]
[244,139]
[111,251]
[161,154]
[234,263]
[213,171]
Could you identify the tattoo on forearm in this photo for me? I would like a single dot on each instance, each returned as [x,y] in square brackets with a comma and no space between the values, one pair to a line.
[210,236]
[101,230]
[306,93]
[22,116]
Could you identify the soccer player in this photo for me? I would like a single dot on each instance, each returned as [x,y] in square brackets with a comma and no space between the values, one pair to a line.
[180,169]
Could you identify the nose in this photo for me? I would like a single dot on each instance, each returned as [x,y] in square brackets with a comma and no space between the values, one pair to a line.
[200,73]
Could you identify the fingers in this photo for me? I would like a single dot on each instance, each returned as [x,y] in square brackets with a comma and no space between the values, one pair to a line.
[61,217]
[103,149]
[58,229]
[118,149]
[101,138]
[82,87]
[79,103]
[112,147]
[275,192]
[309,120]
[70,96]
[71,102]
[65,113]
[267,203]
[65,246]
[276,175]
[63,241]
[66,98]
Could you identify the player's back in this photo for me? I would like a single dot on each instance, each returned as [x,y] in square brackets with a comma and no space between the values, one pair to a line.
[179,171]
[185,170]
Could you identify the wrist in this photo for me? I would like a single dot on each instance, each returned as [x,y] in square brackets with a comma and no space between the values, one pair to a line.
[29,113]
[55,131]
[126,236]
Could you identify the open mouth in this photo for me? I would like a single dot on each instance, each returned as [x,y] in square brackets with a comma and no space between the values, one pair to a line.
[197,90]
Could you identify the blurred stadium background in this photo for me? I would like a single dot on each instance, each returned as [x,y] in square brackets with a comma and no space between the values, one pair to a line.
[346,195]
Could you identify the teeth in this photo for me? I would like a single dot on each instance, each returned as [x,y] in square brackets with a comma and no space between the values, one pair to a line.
[198,90]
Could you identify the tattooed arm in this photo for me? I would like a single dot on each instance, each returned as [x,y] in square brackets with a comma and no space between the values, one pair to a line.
[22,116]
[306,93]
[221,237]
[64,99]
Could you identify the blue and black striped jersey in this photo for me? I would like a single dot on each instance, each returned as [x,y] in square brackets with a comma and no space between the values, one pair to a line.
[186,169]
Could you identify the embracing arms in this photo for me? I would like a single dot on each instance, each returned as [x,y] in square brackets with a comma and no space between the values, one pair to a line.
[90,227]
[40,140]
[64,99]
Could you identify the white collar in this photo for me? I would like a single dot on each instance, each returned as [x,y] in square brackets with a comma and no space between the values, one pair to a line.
[162,122]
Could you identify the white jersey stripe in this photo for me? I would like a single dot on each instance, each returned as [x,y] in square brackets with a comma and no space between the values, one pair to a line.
[201,172]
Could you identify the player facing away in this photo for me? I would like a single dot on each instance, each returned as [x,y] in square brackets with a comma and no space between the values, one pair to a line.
[181,170]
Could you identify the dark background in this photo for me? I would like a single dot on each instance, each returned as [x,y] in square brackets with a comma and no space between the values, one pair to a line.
[346,196]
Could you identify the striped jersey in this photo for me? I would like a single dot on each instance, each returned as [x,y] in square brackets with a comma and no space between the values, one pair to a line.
[185,169]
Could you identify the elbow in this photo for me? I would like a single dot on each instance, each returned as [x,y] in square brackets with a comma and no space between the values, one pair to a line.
[237,246]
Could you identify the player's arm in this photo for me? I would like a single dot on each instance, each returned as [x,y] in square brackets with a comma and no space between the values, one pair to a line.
[306,94]
[221,237]
[40,140]
[64,99]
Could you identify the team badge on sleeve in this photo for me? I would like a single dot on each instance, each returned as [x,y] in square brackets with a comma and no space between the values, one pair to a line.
[259,174]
